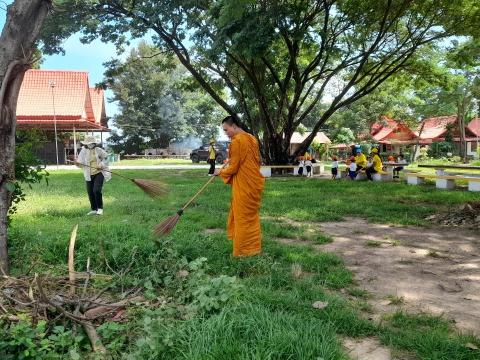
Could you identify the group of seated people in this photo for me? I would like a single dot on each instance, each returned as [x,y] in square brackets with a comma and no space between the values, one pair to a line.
[373,165]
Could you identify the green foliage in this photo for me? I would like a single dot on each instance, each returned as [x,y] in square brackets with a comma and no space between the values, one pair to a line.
[158,101]
[440,149]
[343,135]
[28,168]
[320,149]
[278,60]
[423,154]
[25,340]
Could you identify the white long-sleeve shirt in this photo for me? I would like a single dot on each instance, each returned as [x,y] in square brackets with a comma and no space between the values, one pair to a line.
[102,161]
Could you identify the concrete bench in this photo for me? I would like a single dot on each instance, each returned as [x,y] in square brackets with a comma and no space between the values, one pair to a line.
[383,176]
[361,175]
[266,170]
[444,181]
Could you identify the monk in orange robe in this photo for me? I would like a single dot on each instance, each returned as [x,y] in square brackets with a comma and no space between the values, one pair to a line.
[243,174]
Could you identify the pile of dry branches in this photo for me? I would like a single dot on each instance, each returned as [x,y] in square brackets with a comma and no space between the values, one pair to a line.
[71,298]
[466,215]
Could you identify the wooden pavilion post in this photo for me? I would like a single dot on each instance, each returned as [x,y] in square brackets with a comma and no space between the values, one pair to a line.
[74,144]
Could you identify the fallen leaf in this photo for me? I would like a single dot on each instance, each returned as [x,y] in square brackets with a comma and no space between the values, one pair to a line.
[320,305]
[471,346]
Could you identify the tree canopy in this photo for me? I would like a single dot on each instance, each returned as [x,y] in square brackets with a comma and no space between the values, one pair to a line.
[158,101]
[281,59]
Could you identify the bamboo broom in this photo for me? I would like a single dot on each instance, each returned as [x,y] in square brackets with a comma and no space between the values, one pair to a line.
[167,225]
[152,188]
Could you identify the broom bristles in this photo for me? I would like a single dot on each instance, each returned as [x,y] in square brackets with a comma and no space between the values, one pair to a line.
[152,188]
[166,226]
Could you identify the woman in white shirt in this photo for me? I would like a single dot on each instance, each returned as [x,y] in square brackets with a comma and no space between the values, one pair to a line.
[94,162]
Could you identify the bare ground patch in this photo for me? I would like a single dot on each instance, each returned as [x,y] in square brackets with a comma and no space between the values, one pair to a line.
[433,270]
[366,349]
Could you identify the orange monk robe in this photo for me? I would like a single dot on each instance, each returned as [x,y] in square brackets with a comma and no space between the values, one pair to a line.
[243,174]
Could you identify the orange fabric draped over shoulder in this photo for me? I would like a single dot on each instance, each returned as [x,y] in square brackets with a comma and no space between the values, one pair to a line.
[243,174]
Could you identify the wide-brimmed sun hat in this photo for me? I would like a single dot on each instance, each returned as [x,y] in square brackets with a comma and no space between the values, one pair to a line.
[89,139]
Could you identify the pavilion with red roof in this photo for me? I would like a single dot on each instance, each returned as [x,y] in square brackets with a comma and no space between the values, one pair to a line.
[395,135]
[61,99]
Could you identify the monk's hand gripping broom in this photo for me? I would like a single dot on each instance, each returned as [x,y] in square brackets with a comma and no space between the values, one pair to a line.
[152,188]
[167,225]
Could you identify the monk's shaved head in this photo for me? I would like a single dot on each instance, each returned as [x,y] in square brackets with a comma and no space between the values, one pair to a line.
[231,120]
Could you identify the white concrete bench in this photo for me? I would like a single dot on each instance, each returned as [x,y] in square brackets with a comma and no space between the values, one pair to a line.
[266,170]
[361,175]
[444,181]
[383,176]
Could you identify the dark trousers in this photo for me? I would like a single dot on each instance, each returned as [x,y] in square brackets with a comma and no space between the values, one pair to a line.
[369,172]
[359,168]
[396,171]
[94,190]
[211,171]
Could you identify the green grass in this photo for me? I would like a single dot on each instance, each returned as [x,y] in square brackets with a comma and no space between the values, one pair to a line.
[373,243]
[273,317]
[360,293]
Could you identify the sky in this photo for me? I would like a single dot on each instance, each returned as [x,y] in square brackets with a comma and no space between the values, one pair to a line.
[78,56]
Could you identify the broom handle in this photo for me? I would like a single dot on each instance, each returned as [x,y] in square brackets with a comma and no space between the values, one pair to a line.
[92,167]
[201,190]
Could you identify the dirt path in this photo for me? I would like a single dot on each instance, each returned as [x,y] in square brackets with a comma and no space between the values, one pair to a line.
[419,269]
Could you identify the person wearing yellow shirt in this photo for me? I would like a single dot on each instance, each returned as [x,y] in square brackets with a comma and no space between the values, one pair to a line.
[360,160]
[377,165]
[211,158]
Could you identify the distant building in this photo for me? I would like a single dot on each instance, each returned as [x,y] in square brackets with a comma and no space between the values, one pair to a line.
[298,138]
[436,129]
[396,136]
[65,99]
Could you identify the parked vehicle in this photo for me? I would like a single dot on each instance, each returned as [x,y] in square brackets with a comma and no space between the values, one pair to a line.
[201,154]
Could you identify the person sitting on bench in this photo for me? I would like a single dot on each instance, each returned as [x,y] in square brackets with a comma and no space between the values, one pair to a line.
[376,166]
[360,160]
[396,170]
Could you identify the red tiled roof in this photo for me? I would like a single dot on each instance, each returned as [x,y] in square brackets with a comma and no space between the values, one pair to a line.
[474,127]
[386,128]
[98,104]
[435,127]
[70,95]
[298,138]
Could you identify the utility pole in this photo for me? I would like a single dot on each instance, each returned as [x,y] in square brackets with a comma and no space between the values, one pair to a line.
[52,86]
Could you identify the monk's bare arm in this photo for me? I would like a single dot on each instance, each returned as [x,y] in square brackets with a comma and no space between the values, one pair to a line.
[234,159]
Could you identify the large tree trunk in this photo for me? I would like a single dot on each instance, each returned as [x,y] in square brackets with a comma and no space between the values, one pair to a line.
[17,42]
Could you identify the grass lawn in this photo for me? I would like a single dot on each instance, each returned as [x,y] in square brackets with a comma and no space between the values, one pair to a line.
[270,315]
[156,162]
